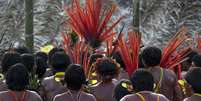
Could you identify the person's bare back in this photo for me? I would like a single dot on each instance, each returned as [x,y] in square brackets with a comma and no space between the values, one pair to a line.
[50,88]
[169,86]
[193,98]
[29,96]
[104,91]
[78,96]
[144,95]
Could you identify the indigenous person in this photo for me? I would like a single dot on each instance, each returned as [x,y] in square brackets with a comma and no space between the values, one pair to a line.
[107,69]
[28,61]
[17,79]
[196,61]
[122,89]
[143,85]
[193,78]
[75,78]
[165,80]
[53,85]
[9,59]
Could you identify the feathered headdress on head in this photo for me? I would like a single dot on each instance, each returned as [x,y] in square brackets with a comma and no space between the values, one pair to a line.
[91,22]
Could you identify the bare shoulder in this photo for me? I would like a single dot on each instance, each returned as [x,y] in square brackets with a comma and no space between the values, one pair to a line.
[89,97]
[129,97]
[34,95]
[162,97]
[60,97]
[47,80]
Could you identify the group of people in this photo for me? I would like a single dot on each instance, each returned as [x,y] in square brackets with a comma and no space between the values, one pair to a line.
[54,77]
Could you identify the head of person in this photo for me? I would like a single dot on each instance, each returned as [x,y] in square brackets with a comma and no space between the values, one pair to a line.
[196,61]
[118,59]
[42,55]
[53,51]
[28,61]
[94,57]
[107,69]
[193,78]
[17,77]
[22,50]
[60,61]
[142,80]
[151,56]
[122,89]
[41,67]
[9,59]
[75,77]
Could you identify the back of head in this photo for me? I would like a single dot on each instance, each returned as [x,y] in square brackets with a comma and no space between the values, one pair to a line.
[28,61]
[42,55]
[94,57]
[107,68]
[142,80]
[118,58]
[196,60]
[60,61]
[10,59]
[151,56]
[75,77]
[17,77]
[41,67]
[122,89]
[53,51]
[193,77]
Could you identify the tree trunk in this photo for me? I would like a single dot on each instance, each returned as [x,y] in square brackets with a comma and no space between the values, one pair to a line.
[29,37]
[136,15]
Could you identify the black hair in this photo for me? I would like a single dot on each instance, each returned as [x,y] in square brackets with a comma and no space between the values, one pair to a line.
[107,68]
[41,67]
[22,50]
[120,91]
[17,77]
[60,61]
[9,59]
[193,77]
[75,77]
[94,57]
[142,80]
[42,55]
[53,51]
[151,56]
[28,61]
[140,62]
[117,57]
[197,60]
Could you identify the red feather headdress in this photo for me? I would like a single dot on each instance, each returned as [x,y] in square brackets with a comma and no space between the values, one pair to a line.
[130,51]
[91,23]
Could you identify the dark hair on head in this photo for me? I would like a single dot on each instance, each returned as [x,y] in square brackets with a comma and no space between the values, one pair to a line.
[60,61]
[117,57]
[142,80]
[41,67]
[17,77]
[28,61]
[140,62]
[22,50]
[9,59]
[53,51]
[94,57]
[197,60]
[107,68]
[75,77]
[151,56]
[42,55]
[193,77]
[120,91]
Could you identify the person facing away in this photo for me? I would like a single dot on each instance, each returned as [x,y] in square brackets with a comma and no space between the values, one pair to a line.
[17,79]
[193,78]
[143,84]
[165,80]
[53,85]
[75,78]
[9,59]
[106,69]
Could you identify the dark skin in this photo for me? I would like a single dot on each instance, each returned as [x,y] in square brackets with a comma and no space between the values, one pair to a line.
[103,91]
[73,96]
[30,96]
[50,88]
[193,98]
[148,96]
[123,75]
[169,86]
